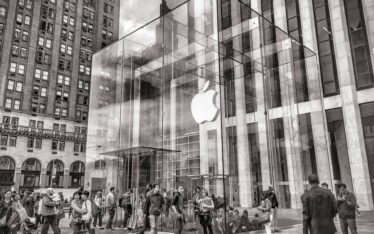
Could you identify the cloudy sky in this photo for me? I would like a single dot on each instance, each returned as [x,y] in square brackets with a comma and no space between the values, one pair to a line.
[135,13]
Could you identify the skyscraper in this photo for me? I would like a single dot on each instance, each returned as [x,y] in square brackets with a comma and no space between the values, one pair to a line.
[46,52]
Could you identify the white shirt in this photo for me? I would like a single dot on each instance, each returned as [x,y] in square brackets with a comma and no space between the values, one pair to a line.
[87,205]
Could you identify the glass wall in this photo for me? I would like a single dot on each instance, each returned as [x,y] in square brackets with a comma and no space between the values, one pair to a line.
[176,103]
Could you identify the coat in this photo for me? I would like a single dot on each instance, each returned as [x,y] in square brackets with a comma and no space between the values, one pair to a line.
[29,206]
[321,209]
[48,206]
[154,204]
[347,207]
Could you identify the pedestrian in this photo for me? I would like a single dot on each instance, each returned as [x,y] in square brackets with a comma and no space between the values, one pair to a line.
[306,218]
[99,206]
[321,208]
[110,203]
[29,204]
[177,207]
[49,213]
[87,205]
[37,200]
[127,207]
[153,207]
[266,209]
[274,209]
[205,212]
[60,210]
[347,206]
[26,195]
[5,211]
[77,223]
[325,186]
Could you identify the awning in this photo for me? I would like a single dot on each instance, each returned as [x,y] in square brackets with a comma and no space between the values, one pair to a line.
[138,150]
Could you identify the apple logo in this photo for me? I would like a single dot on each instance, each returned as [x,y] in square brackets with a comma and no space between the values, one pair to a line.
[203,106]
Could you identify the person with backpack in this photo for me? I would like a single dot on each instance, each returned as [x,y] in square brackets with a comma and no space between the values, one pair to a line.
[127,207]
[153,207]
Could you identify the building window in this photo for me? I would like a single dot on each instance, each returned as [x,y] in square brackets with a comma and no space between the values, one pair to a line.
[359,44]
[76,147]
[57,111]
[8,103]
[13,141]
[17,104]
[245,9]
[294,29]
[13,67]
[54,145]
[19,86]
[30,143]
[226,14]
[4,140]
[326,48]
[10,85]
[61,145]
[367,118]
[27,20]
[2,11]
[21,69]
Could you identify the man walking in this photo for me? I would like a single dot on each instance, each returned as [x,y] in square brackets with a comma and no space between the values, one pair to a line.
[320,207]
[87,205]
[347,210]
[306,218]
[110,202]
[153,207]
[177,207]
[49,213]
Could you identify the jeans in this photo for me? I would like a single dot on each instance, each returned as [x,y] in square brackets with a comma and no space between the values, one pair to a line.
[111,217]
[307,227]
[49,221]
[351,223]
[98,215]
[206,222]
[179,224]
[78,228]
[274,222]
[127,214]
[154,223]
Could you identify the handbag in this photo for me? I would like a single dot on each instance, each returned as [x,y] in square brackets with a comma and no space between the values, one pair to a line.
[95,209]
[264,217]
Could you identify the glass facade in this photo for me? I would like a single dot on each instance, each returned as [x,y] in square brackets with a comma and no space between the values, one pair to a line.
[176,104]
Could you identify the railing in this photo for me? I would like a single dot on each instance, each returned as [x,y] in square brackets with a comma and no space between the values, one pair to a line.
[41,132]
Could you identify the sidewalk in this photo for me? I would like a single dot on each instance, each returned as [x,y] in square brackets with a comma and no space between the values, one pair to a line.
[289,225]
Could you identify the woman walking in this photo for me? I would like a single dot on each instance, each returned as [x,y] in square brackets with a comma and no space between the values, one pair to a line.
[5,212]
[77,223]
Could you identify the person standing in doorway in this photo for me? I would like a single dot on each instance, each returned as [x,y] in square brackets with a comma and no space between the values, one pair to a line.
[177,206]
[347,210]
[110,203]
[321,208]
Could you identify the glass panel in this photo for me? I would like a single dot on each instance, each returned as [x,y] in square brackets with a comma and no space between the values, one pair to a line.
[188,109]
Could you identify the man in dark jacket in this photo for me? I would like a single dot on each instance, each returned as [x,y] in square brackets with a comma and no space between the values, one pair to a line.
[306,218]
[153,207]
[347,210]
[320,207]
[177,206]
[49,213]
[29,205]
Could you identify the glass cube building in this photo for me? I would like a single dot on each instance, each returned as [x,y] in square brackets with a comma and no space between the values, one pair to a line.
[200,97]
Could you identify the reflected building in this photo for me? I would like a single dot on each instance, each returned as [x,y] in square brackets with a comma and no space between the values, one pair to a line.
[293,92]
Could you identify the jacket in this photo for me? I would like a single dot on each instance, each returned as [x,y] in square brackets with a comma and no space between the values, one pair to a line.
[29,206]
[321,208]
[87,205]
[153,204]
[48,206]
[110,201]
[347,207]
[6,209]
[304,202]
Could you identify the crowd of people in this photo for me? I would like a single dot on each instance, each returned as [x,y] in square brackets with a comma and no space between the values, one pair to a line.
[156,207]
